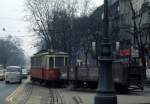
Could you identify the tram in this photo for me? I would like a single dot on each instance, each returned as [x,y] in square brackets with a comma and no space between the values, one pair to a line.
[48,66]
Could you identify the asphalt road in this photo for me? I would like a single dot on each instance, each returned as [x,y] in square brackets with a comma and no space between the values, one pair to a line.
[6,90]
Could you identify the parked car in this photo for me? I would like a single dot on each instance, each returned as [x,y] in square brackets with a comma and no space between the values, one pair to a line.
[24,73]
[148,73]
[1,74]
[13,74]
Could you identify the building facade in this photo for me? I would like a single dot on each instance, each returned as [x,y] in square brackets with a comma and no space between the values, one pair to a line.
[121,21]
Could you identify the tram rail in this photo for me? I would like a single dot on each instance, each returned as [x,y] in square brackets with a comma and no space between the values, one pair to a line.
[55,96]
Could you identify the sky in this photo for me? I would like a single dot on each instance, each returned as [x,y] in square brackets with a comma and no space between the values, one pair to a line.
[12,20]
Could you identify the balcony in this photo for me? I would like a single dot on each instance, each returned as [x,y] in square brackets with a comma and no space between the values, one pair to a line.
[146,5]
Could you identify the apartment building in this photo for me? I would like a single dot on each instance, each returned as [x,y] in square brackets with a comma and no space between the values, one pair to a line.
[121,18]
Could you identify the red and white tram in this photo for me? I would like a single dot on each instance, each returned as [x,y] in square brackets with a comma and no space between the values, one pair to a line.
[49,66]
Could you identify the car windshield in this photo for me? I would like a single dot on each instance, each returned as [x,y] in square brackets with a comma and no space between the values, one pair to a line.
[12,69]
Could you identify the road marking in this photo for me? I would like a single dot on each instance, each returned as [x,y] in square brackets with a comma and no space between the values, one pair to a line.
[10,97]
[15,93]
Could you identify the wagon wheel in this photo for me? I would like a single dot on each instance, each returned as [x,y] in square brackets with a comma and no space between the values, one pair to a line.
[121,88]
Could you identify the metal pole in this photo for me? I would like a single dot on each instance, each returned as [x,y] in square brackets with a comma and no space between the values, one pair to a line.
[105,92]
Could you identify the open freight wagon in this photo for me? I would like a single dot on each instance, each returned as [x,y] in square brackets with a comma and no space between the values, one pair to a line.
[125,77]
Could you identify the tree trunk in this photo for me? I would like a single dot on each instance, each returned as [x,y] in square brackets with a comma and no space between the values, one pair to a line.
[143,61]
[86,58]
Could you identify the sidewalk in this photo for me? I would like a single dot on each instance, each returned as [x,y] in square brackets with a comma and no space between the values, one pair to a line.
[88,98]
[27,94]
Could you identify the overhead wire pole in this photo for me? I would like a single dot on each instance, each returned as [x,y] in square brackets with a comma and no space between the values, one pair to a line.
[105,91]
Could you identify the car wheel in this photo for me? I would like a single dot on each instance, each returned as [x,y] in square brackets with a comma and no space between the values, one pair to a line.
[20,82]
[6,82]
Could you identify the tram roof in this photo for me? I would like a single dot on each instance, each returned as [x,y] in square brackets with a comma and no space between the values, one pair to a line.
[50,52]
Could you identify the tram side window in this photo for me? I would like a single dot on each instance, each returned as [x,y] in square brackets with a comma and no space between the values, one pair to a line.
[33,62]
[38,62]
[59,61]
[51,62]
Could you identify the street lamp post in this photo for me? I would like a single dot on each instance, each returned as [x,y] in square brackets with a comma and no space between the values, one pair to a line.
[105,92]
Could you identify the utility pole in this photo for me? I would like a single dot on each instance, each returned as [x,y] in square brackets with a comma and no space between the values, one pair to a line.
[105,92]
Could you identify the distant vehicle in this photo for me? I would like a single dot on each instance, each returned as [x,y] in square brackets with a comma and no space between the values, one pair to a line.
[13,74]
[24,73]
[1,67]
[148,73]
[1,73]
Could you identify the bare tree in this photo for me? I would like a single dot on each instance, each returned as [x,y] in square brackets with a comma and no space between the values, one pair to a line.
[11,53]
[140,36]
[54,22]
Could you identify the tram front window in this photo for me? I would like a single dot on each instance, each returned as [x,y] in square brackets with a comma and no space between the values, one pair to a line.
[59,61]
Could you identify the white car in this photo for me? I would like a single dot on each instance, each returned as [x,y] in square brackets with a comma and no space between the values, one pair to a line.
[24,73]
[13,74]
[148,74]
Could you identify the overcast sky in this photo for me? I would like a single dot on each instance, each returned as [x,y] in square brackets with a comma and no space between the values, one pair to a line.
[12,14]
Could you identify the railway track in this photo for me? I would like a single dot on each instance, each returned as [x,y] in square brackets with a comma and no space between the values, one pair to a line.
[77,100]
[28,91]
[55,96]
